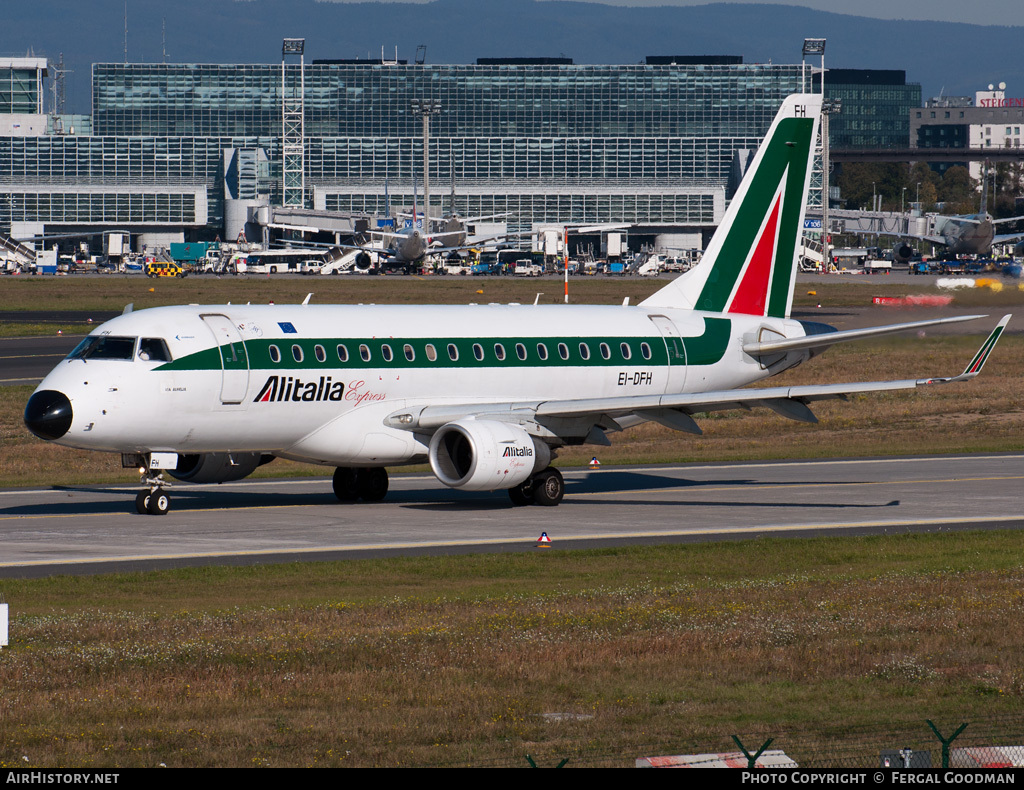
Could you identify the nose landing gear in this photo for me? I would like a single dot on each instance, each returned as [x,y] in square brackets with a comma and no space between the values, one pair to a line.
[152,499]
[155,503]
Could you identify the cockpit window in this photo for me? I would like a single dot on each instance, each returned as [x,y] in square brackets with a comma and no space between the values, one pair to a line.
[104,347]
[154,349]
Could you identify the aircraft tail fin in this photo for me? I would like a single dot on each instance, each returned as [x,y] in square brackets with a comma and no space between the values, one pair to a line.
[751,261]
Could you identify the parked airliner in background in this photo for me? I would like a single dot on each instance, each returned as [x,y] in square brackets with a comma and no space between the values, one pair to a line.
[963,234]
[486,393]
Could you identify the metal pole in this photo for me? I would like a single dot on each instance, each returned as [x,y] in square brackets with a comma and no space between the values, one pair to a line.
[565,254]
[825,254]
[426,175]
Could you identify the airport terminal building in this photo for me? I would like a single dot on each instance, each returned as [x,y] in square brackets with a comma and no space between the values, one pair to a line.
[193,148]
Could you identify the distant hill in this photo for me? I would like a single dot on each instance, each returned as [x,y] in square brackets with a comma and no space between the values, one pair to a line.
[954,58]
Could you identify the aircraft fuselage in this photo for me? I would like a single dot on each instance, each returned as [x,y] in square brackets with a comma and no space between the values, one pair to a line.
[972,237]
[317,383]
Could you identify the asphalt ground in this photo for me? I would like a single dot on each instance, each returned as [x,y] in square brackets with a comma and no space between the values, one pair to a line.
[91,529]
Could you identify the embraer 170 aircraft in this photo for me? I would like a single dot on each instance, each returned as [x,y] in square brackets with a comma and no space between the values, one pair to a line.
[485,393]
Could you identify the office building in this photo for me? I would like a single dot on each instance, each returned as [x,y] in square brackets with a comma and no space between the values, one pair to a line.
[192,147]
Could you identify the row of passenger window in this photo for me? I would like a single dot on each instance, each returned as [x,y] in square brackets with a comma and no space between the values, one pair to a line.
[604,350]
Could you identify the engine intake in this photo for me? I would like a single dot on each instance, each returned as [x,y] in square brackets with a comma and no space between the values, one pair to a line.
[485,455]
[901,253]
[217,467]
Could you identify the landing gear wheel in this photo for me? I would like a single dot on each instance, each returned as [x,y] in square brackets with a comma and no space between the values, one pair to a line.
[142,502]
[522,494]
[345,484]
[548,487]
[369,484]
[159,503]
[372,483]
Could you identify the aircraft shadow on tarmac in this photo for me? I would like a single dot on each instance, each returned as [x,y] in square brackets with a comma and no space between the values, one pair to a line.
[606,483]
[594,488]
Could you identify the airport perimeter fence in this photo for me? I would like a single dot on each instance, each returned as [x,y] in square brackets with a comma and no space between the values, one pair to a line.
[975,745]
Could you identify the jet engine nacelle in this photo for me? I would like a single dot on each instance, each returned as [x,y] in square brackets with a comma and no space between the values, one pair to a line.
[485,455]
[217,467]
[901,253]
[363,261]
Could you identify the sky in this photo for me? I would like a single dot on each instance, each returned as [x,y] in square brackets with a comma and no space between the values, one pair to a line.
[977,12]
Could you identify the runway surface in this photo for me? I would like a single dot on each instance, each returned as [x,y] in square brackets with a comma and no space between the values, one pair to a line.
[83,529]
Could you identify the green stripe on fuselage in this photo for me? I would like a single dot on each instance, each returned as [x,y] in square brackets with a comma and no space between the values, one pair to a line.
[707,349]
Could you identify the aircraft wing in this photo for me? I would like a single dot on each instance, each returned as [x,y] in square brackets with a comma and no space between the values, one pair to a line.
[470,244]
[1006,238]
[591,417]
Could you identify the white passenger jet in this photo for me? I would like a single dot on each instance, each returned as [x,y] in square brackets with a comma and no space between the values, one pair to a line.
[485,393]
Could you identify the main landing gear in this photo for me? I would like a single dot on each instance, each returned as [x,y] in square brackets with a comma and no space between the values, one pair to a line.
[369,484]
[545,488]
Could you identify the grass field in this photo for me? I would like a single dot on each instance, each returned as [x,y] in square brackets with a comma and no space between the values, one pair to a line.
[835,647]
[113,292]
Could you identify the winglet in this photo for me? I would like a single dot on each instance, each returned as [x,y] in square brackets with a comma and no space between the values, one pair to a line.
[976,364]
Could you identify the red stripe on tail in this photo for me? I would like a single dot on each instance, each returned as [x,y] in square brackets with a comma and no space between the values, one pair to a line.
[751,296]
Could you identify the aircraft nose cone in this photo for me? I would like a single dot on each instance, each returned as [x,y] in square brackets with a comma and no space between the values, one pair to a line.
[48,414]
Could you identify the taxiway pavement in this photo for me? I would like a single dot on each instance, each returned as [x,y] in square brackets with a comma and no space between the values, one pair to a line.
[89,529]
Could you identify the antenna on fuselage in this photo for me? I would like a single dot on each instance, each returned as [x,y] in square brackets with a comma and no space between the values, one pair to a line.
[306,300]
[128,308]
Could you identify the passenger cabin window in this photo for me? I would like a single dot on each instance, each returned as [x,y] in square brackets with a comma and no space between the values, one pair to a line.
[453,352]
[321,355]
[521,351]
[606,352]
[563,351]
[542,351]
[410,354]
[499,351]
[364,352]
[153,349]
[342,353]
[627,352]
[275,354]
[584,351]
[478,352]
[431,352]
[386,352]
[104,347]
[645,349]
[297,353]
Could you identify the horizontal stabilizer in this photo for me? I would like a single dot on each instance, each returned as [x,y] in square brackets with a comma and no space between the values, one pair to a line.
[831,338]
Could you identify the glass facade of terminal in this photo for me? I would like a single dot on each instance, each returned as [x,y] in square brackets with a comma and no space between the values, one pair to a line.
[21,86]
[876,107]
[652,144]
[518,101]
